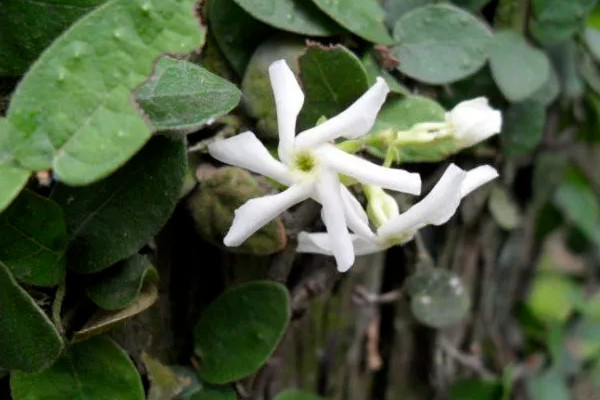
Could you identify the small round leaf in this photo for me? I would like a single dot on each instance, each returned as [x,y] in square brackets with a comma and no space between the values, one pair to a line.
[439,44]
[240,330]
[438,297]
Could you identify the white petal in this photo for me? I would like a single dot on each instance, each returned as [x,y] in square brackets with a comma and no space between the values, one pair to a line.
[474,121]
[330,197]
[288,102]
[246,151]
[436,208]
[256,213]
[355,121]
[356,217]
[367,172]
[477,177]
[318,243]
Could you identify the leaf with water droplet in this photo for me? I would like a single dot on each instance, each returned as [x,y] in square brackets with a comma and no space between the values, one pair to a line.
[74,114]
[438,297]
[240,329]
[451,47]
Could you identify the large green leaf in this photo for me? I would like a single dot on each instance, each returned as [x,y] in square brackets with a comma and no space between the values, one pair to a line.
[523,127]
[364,18]
[12,177]
[94,370]
[298,16]
[183,96]
[440,44]
[518,69]
[33,238]
[112,219]
[230,24]
[118,286]
[27,27]
[333,78]
[240,329]
[73,112]
[28,340]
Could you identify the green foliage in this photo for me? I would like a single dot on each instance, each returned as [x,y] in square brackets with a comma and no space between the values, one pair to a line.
[112,219]
[553,298]
[240,329]
[293,394]
[333,78]
[28,340]
[183,96]
[214,393]
[518,69]
[12,176]
[439,44]
[438,297]
[290,15]
[38,24]
[33,238]
[96,369]
[363,18]
[475,389]
[119,286]
[523,128]
[220,192]
[230,24]
[73,110]
[555,20]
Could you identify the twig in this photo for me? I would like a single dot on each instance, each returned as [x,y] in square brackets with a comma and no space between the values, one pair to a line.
[57,306]
[467,360]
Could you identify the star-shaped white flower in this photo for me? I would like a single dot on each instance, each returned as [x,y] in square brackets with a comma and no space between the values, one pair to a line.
[309,164]
[434,209]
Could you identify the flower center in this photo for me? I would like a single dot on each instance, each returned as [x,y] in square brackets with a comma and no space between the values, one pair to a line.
[305,161]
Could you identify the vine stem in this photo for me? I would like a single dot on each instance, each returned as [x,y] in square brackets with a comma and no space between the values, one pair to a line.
[57,305]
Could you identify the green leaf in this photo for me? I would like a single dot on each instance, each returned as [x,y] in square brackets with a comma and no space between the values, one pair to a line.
[374,70]
[438,297]
[523,128]
[230,24]
[165,384]
[240,330]
[293,394]
[214,393]
[556,20]
[33,238]
[93,370]
[112,219]
[363,18]
[579,203]
[28,340]
[591,37]
[553,297]
[257,96]
[73,112]
[102,320]
[394,9]
[440,44]
[184,96]
[118,286]
[549,385]
[549,91]
[518,69]
[290,15]
[37,24]
[475,389]
[221,191]
[503,208]
[332,78]
[12,177]
[565,58]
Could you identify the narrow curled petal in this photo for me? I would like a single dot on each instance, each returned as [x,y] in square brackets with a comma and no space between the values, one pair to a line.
[246,151]
[474,121]
[256,213]
[356,218]
[367,172]
[436,208]
[318,243]
[288,103]
[330,197]
[355,121]
[477,177]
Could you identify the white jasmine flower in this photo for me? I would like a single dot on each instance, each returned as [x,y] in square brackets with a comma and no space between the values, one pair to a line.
[310,166]
[434,209]
[468,123]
